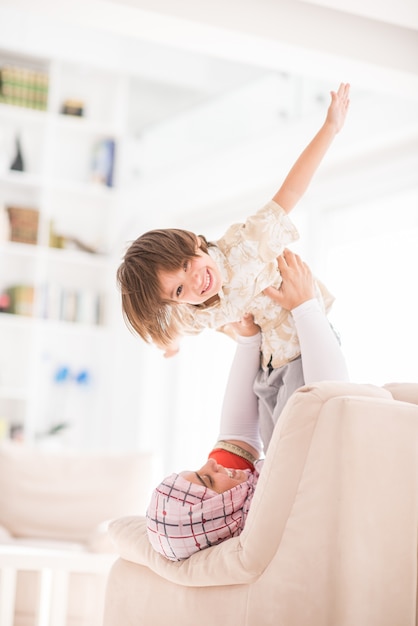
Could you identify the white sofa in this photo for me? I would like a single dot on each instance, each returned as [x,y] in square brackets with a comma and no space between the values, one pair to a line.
[331,537]
[54,509]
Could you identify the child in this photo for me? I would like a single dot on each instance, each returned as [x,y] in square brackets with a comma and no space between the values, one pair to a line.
[174,282]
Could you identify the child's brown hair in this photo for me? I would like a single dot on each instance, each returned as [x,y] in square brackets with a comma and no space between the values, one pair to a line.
[145,311]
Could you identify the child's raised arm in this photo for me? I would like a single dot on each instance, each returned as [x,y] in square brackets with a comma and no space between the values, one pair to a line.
[299,177]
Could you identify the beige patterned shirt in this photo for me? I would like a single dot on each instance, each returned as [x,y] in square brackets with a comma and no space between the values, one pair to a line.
[247,258]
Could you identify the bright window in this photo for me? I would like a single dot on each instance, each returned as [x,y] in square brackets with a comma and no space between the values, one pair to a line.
[371,263]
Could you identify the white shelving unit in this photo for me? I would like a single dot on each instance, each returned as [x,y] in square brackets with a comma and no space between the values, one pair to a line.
[56,338]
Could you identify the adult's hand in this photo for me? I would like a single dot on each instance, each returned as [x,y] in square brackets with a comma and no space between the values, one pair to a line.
[297,282]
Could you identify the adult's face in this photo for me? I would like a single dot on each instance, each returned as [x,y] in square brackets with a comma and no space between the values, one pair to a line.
[215,476]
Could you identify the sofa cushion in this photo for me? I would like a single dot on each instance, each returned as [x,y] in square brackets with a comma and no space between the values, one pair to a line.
[66,495]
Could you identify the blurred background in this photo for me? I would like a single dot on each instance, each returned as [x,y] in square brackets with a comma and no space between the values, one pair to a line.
[118,117]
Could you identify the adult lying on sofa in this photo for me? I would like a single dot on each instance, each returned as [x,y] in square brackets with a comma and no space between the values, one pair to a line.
[330,539]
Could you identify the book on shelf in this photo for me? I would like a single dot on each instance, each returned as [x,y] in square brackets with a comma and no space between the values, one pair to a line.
[82,306]
[103,162]
[20,299]
[22,86]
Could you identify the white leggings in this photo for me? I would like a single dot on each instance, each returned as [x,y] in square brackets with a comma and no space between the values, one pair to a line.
[322,359]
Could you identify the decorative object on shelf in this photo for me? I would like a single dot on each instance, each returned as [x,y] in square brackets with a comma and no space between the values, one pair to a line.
[21,86]
[73,107]
[23,224]
[18,164]
[68,395]
[57,240]
[55,429]
[17,432]
[4,302]
[77,244]
[103,162]
[21,299]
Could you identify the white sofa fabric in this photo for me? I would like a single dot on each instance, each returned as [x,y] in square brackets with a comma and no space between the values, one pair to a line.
[331,538]
[63,500]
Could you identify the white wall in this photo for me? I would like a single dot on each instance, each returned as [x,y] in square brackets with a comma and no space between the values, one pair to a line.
[212,164]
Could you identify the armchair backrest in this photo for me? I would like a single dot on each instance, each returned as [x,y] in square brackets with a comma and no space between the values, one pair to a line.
[284,466]
[405,392]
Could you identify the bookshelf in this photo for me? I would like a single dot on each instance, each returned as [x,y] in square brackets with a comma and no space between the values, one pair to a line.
[61,127]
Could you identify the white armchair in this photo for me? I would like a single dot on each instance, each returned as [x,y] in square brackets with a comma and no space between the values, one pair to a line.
[331,537]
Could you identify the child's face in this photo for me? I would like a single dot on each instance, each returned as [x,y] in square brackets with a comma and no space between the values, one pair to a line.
[196,282]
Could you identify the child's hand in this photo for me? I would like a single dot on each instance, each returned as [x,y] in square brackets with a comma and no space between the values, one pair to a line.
[298,284]
[338,108]
[246,327]
[171,350]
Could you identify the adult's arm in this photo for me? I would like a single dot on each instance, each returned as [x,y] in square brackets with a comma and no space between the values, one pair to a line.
[322,358]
